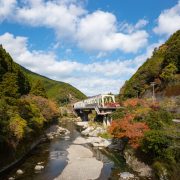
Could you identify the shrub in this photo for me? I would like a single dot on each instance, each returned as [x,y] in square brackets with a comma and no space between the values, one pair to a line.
[126,128]
[17,128]
[118,114]
[158,119]
[47,108]
[157,144]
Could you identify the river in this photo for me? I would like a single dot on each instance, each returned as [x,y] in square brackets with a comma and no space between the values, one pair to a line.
[54,157]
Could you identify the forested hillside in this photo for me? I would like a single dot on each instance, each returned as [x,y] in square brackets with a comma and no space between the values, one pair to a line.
[145,125]
[25,110]
[163,68]
[60,91]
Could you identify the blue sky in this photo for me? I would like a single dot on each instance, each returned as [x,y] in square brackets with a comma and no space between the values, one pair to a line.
[95,45]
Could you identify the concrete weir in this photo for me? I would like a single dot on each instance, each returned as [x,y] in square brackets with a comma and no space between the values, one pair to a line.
[81,164]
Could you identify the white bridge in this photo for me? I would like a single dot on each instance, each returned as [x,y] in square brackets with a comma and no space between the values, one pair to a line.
[102,104]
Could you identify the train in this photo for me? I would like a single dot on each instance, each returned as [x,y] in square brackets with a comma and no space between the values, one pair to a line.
[100,101]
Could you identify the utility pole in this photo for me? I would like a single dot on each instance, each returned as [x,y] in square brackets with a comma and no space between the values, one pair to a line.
[153,92]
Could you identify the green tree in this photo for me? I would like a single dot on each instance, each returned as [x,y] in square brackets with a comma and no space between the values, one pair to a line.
[168,72]
[158,119]
[38,89]
[9,86]
[156,144]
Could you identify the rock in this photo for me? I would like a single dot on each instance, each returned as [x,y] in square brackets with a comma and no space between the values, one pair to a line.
[19,172]
[67,132]
[87,131]
[143,169]
[11,178]
[92,140]
[55,131]
[39,167]
[98,142]
[126,175]
[78,119]
[66,137]
[117,144]
[80,140]
[82,165]
[49,136]
[39,163]
[82,124]
[105,143]
[94,133]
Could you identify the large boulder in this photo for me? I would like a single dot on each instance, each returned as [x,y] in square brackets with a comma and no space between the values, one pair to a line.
[98,142]
[87,131]
[84,124]
[97,131]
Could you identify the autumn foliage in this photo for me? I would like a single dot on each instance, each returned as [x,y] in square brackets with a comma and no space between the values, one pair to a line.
[126,128]
[134,102]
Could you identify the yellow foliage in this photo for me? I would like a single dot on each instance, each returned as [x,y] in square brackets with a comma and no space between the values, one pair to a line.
[17,126]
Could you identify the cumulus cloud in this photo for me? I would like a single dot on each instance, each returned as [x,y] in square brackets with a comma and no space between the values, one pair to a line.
[6,8]
[168,21]
[96,31]
[91,78]
[62,16]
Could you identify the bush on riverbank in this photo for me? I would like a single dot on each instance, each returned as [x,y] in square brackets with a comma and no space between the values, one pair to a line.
[157,140]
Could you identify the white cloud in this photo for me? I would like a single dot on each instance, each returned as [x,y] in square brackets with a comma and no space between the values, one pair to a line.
[91,78]
[129,28]
[59,15]
[141,23]
[6,8]
[96,31]
[168,21]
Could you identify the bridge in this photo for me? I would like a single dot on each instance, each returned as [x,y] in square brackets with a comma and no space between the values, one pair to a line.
[103,105]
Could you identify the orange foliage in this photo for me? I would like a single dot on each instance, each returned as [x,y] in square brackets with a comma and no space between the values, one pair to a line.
[48,108]
[134,102]
[130,102]
[125,127]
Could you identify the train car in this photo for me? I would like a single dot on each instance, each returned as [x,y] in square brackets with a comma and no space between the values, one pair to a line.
[100,101]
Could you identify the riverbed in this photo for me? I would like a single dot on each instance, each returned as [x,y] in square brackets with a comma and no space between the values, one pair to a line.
[54,157]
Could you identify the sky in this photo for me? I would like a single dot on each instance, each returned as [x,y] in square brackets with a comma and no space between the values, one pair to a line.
[95,45]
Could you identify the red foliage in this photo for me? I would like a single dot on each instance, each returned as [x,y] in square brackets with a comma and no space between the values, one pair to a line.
[112,104]
[133,102]
[130,102]
[125,127]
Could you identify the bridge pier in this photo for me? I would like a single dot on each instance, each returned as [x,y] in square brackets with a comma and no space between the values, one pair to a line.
[83,114]
[107,120]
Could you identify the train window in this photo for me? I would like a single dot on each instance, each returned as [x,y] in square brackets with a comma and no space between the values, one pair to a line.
[108,99]
[100,102]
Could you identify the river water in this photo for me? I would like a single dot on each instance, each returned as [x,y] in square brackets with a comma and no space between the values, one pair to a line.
[54,157]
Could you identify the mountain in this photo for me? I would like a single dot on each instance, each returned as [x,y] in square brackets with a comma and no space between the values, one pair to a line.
[27,107]
[60,91]
[163,68]
[57,90]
